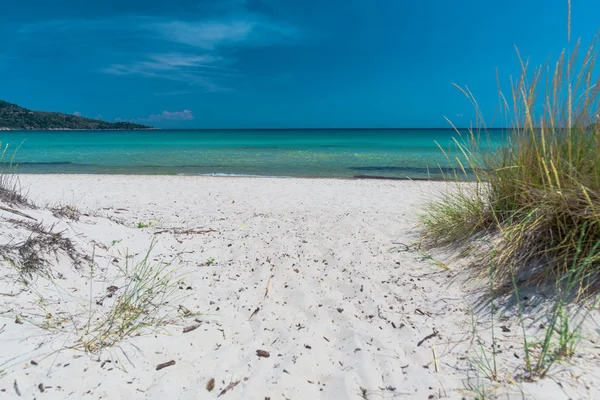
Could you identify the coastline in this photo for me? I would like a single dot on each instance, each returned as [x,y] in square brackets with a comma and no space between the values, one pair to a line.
[226,175]
[76,130]
[323,276]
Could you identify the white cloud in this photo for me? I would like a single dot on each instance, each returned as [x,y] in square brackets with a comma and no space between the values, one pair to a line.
[156,63]
[77,114]
[205,35]
[249,30]
[185,115]
[197,70]
[176,60]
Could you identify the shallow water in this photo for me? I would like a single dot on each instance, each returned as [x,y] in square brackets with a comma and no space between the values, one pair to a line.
[394,153]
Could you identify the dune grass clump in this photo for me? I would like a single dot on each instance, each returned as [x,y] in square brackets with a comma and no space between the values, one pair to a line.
[66,211]
[537,199]
[140,301]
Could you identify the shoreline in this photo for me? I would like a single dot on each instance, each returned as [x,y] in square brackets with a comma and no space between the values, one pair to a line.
[352,178]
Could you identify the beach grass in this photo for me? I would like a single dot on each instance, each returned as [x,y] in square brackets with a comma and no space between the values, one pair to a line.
[68,211]
[528,213]
[537,199]
[140,299]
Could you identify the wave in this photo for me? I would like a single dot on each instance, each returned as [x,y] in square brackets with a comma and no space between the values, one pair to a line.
[222,174]
[432,169]
[37,163]
[263,148]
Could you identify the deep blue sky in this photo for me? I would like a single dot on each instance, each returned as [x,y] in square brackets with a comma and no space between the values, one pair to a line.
[275,63]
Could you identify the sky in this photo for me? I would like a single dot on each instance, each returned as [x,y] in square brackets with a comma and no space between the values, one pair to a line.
[275,63]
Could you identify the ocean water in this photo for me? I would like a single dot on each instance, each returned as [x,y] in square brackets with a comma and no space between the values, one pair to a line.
[393,153]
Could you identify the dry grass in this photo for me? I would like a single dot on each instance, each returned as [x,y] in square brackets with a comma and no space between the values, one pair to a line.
[537,200]
[138,301]
[66,211]
[33,254]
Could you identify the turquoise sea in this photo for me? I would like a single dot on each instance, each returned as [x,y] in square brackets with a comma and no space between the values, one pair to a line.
[394,153]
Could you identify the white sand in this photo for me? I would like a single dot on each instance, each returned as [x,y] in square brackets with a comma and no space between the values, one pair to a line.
[344,317]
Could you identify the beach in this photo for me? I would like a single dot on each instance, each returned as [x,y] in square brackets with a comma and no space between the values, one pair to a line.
[282,288]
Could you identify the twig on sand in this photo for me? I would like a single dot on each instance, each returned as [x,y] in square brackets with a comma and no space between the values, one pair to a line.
[180,231]
[12,294]
[267,288]
[16,387]
[431,335]
[254,313]
[190,328]
[228,388]
[165,365]
[363,393]
[17,212]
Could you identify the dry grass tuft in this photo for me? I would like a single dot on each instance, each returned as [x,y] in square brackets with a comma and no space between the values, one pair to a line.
[66,211]
[31,255]
[138,301]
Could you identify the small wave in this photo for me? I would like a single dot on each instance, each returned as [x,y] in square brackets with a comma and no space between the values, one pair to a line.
[222,174]
[432,169]
[261,148]
[37,163]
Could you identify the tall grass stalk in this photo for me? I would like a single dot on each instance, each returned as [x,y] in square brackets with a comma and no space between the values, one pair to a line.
[10,185]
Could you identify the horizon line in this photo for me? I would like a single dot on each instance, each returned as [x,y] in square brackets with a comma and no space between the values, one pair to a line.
[321,129]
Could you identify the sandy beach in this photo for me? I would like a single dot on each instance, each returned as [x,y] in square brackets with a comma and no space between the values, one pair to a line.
[280,289]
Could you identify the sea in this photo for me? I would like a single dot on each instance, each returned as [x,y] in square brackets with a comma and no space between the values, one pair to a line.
[323,153]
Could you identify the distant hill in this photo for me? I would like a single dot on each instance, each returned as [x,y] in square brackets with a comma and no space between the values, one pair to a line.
[14,117]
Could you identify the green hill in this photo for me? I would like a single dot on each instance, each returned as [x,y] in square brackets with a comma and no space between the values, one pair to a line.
[15,117]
